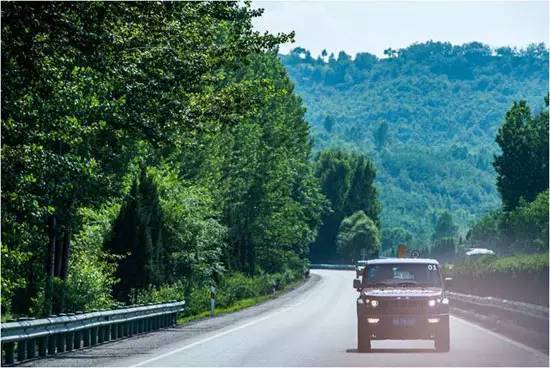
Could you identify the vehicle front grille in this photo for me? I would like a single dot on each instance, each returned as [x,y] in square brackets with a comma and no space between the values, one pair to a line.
[403,306]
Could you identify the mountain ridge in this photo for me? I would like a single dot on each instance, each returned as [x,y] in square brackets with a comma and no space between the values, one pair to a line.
[442,105]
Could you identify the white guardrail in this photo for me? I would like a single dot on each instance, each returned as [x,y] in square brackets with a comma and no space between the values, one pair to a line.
[530,315]
[22,339]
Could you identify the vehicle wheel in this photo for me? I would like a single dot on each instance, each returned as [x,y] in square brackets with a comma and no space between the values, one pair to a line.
[442,337]
[363,337]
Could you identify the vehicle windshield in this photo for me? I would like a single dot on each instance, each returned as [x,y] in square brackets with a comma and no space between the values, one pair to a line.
[402,274]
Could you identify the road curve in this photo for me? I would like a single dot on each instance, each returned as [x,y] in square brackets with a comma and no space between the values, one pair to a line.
[313,326]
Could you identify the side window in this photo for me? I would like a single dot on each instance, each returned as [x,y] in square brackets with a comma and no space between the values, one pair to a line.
[371,272]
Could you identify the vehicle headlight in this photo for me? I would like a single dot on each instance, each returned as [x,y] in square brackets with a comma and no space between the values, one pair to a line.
[374,303]
[432,302]
[360,301]
[445,301]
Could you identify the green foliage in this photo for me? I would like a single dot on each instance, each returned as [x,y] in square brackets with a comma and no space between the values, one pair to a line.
[522,166]
[391,238]
[443,105]
[523,230]
[180,119]
[525,277]
[347,181]
[137,238]
[445,227]
[12,278]
[443,249]
[381,136]
[358,234]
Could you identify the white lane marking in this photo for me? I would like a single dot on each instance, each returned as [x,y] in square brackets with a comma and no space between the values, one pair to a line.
[253,322]
[540,354]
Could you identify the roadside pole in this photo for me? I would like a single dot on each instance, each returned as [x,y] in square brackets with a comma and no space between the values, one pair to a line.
[212,301]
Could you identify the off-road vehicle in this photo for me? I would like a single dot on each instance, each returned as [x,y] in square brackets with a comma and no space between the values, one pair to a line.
[402,298]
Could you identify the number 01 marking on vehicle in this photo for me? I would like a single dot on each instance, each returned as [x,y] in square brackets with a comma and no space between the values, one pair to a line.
[432,267]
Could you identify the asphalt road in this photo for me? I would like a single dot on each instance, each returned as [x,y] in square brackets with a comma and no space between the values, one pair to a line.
[314,325]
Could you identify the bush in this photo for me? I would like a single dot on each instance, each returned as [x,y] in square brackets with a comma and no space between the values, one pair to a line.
[161,294]
[236,287]
[522,277]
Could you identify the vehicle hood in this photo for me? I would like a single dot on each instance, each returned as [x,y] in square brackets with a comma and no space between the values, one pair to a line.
[396,292]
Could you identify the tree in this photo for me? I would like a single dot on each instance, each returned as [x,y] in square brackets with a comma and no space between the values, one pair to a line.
[358,235]
[91,90]
[392,237]
[381,136]
[362,194]
[444,227]
[522,165]
[347,181]
[137,236]
[328,123]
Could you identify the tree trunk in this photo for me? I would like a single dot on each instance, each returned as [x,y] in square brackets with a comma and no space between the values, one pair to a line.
[50,262]
[66,254]
[58,252]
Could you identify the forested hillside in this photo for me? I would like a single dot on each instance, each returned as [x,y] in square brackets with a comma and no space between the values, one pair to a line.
[428,116]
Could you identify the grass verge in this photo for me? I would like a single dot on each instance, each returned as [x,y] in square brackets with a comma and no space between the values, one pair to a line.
[240,304]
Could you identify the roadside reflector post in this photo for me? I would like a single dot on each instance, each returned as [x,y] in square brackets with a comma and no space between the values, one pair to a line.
[212,301]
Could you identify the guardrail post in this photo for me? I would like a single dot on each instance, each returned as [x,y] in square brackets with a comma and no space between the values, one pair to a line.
[107,331]
[77,338]
[100,334]
[9,350]
[69,340]
[86,337]
[51,344]
[94,333]
[31,348]
[114,331]
[60,339]
[120,332]
[21,350]
[42,344]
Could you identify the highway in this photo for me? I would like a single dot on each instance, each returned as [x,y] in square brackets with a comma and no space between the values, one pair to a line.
[314,325]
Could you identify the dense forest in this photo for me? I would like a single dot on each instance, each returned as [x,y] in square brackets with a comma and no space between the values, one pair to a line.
[150,151]
[427,116]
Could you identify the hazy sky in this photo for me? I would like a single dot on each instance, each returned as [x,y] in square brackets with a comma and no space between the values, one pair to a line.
[372,26]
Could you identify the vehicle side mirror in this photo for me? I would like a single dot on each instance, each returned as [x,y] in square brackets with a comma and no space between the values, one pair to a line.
[448,282]
[357,284]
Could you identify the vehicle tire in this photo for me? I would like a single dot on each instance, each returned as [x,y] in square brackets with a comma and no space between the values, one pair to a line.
[442,337]
[363,337]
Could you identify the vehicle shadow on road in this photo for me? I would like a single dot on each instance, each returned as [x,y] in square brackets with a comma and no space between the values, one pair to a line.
[392,351]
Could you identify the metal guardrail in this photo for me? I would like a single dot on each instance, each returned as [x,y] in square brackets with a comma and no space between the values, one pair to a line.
[530,315]
[323,266]
[57,334]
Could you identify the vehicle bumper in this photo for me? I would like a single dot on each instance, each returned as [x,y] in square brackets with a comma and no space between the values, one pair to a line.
[404,327]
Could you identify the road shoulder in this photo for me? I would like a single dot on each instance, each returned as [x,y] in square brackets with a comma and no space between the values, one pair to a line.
[122,352]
